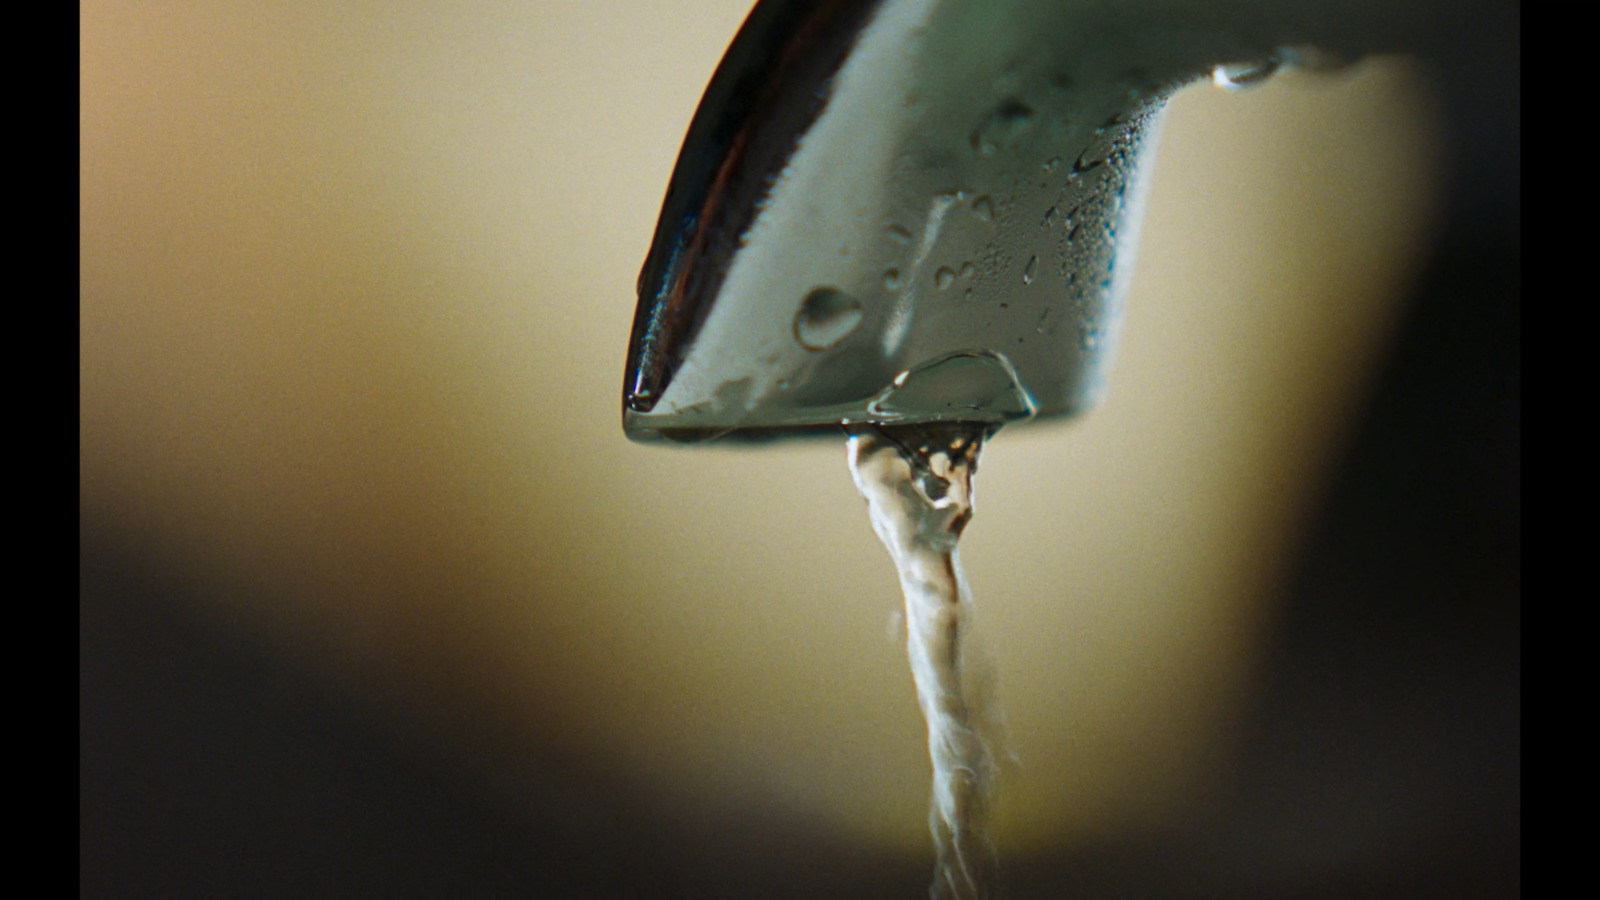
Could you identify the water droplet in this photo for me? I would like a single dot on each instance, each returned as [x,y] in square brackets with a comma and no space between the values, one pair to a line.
[943,278]
[1028,270]
[966,294]
[1051,163]
[826,317]
[1049,216]
[968,385]
[1083,164]
[898,234]
[1001,127]
[968,269]
[891,280]
[1239,76]
[1311,59]
[983,208]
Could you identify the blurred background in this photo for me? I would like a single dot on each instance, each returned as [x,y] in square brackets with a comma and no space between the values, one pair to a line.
[376,600]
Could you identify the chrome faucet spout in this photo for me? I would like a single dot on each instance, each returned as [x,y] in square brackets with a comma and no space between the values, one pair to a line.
[910,211]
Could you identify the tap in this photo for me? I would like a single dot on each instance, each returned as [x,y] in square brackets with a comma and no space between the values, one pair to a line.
[915,211]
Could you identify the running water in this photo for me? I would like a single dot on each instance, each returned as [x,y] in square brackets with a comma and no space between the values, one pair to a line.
[917,481]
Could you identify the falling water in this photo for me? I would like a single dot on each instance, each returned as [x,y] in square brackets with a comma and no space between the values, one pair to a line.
[917,481]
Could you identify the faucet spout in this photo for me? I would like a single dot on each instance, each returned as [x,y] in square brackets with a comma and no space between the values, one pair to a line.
[913,211]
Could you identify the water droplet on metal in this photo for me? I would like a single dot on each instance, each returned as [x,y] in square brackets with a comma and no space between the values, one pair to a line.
[1029,269]
[983,208]
[826,317]
[1312,59]
[1239,76]
[969,385]
[968,269]
[891,280]
[898,234]
[943,278]
[1085,163]
[1001,127]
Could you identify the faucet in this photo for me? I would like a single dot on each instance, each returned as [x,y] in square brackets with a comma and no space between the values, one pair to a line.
[921,211]
[924,214]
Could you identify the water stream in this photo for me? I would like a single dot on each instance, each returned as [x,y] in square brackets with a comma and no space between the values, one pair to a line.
[917,481]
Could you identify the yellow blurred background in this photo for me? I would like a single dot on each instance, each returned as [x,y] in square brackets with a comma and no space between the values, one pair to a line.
[356,283]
